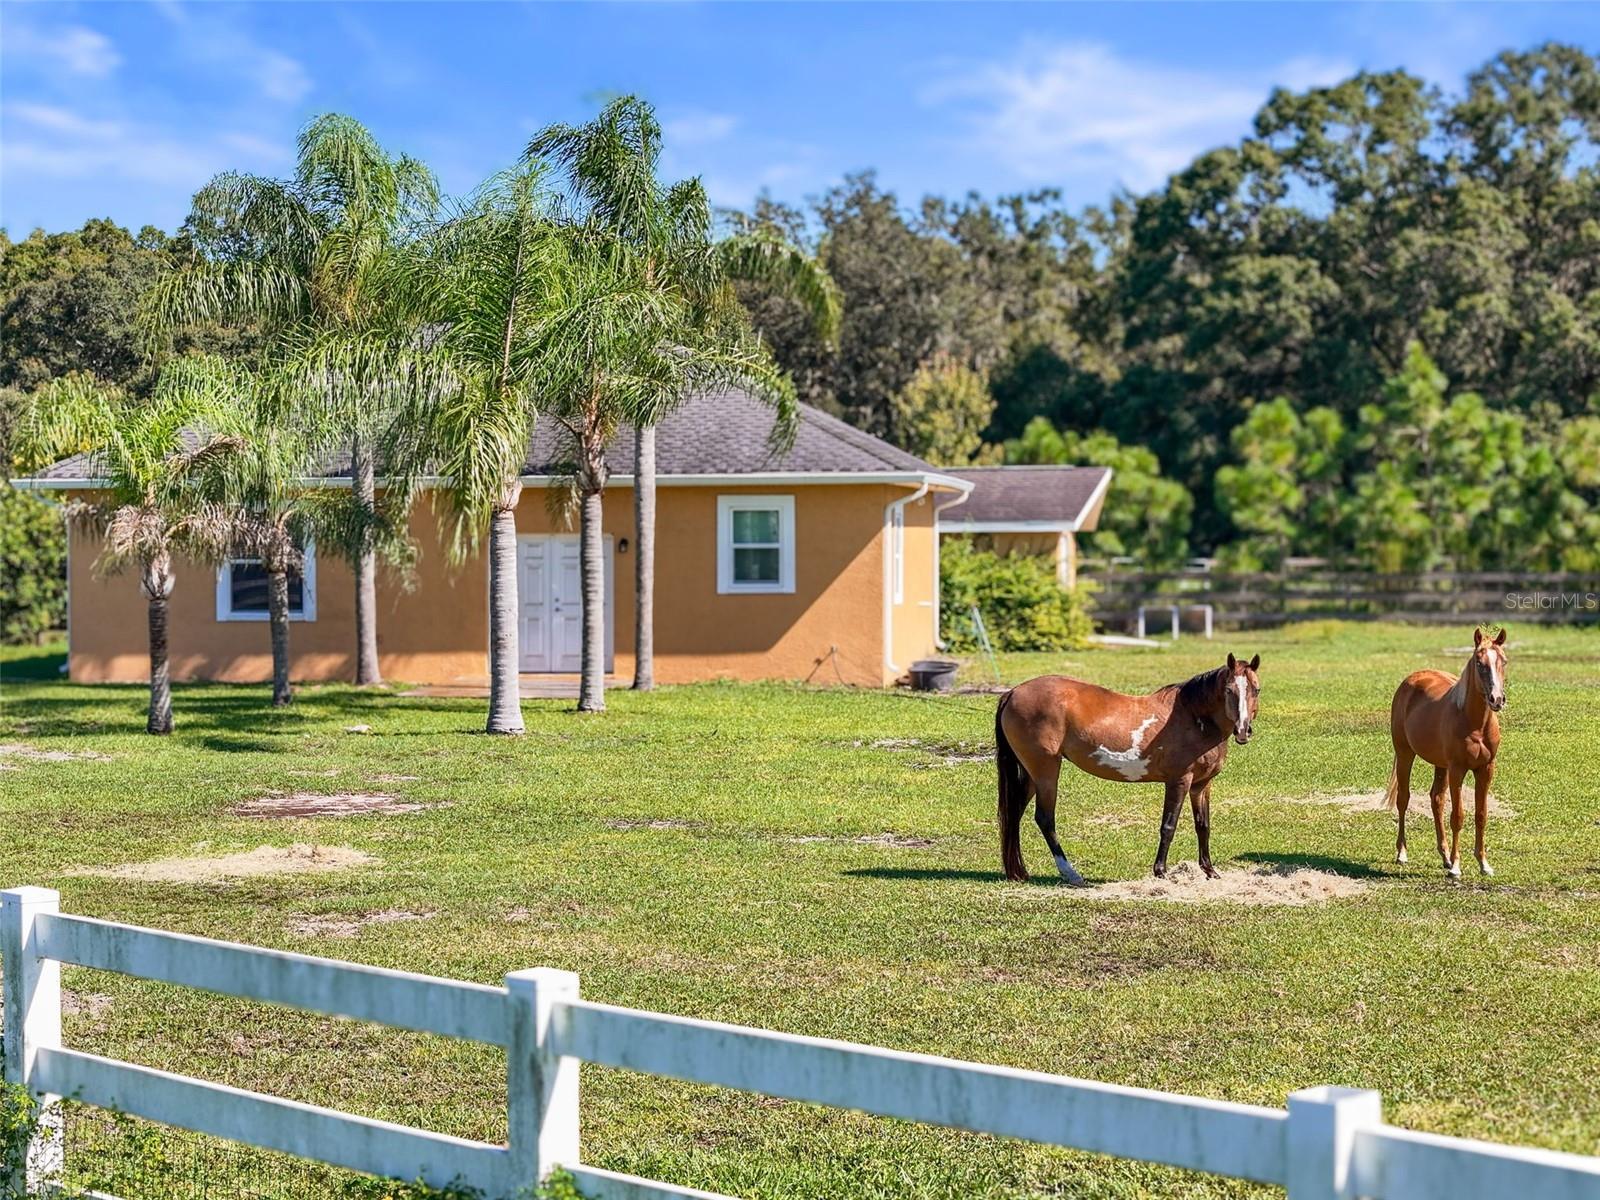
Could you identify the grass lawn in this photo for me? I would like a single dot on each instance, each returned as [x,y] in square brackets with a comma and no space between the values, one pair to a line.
[696,851]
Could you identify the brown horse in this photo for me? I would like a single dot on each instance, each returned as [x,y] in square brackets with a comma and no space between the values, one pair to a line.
[1450,722]
[1177,736]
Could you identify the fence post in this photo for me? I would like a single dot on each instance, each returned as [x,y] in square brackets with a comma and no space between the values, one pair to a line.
[32,987]
[541,1086]
[1321,1138]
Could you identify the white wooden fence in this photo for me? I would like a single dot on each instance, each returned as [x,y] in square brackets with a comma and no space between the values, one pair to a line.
[1330,1142]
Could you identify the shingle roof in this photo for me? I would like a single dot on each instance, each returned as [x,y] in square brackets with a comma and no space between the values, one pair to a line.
[1019,495]
[719,433]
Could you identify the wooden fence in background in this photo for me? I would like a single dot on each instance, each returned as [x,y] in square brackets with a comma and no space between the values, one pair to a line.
[1330,1143]
[1258,600]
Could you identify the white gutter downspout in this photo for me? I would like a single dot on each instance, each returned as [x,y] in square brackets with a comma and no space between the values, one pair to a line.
[888,566]
[938,624]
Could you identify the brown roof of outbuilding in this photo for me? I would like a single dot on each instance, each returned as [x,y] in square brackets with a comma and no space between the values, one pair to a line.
[1030,497]
[718,433]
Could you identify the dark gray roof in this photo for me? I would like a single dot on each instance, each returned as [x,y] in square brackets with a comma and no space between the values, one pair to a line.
[719,433]
[1007,495]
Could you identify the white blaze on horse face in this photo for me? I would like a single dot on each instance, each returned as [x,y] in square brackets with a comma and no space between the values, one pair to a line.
[1127,763]
[1244,702]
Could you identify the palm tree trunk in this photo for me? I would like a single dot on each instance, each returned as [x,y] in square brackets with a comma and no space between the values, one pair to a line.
[366,571]
[592,684]
[644,560]
[157,583]
[278,619]
[505,697]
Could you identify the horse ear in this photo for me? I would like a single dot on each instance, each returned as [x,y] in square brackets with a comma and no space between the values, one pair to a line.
[1477,638]
[1232,661]
[1255,663]
[1500,638]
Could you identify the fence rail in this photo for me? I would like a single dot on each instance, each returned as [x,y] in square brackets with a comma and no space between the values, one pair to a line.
[1330,1143]
[1263,599]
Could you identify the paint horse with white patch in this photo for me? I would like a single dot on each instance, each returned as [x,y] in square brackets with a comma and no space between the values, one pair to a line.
[1177,736]
[1451,724]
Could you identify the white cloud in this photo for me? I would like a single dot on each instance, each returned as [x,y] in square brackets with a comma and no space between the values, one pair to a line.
[698,128]
[75,48]
[48,141]
[1080,108]
[279,77]
[60,120]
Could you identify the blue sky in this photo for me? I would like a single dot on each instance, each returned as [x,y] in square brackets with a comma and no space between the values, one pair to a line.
[124,109]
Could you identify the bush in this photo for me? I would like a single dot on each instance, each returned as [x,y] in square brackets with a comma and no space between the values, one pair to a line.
[1023,606]
[33,567]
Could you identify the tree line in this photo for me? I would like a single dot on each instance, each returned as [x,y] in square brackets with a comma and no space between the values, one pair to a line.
[347,313]
[1364,241]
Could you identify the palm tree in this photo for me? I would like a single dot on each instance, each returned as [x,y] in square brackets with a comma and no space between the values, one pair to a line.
[484,281]
[266,484]
[310,259]
[611,168]
[159,459]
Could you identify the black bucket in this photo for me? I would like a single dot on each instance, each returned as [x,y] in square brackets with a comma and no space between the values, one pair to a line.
[934,674]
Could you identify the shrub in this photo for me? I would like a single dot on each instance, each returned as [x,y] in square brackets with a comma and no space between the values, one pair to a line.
[1023,606]
[33,567]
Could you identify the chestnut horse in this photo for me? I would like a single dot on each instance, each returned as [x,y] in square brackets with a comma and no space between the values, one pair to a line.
[1177,736]
[1450,723]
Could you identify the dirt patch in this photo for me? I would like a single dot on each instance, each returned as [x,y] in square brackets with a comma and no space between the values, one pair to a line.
[1116,820]
[332,926]
[298,859]
[1268,885]
[891,841]
[395,779]
[11,752]
[330,773]
[945,754]
[1363,802]
[281,805]
[894,841]
[632,823]
[93,1005]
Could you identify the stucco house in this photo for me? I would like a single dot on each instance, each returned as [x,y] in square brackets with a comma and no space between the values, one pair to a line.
[1032,510]
[820,563]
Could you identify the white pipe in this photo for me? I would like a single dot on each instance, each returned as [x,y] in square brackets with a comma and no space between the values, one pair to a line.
[888,565]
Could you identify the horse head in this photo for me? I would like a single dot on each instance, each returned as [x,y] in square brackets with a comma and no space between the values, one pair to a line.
[1241,696]
[1489,667]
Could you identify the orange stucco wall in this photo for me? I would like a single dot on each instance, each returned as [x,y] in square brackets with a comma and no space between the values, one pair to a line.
[436,631]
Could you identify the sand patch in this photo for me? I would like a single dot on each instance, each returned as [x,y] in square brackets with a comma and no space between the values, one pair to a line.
[11,752]
[281,805]
[1116,820]
[93,1005]
[1364,802]
[890,841]
[298,859]
[945,754]
[1266,885]
[332,926]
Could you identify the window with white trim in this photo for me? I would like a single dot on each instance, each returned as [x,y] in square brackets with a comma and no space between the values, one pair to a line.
[755,544]
[242,590]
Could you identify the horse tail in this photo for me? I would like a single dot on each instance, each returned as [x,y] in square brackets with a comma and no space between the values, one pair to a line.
[1013,798]
[1391,797]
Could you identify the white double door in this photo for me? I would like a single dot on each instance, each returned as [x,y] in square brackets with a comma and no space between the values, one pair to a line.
[550,596]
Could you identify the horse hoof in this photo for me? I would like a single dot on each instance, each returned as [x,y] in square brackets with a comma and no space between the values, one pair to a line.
[1211,872]
[1400,856]
[1453,870]
[1485,868]
[1160,872]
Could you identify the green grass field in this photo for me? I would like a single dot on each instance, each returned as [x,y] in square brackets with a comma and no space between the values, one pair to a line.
[696,851]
